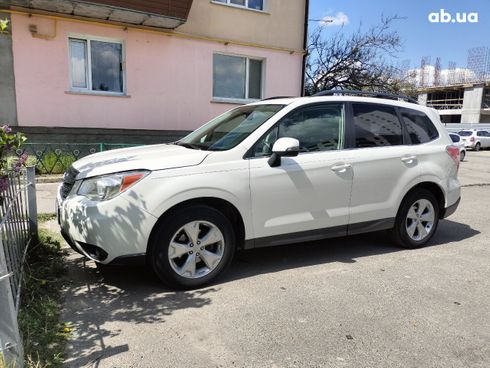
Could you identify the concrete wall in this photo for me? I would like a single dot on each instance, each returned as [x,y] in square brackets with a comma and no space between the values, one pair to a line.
[98,135]
[472,104]
[169,79]
[281,24]
[8,108]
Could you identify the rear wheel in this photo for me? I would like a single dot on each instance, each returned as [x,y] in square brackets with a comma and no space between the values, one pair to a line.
[417,219]
[192,248]
[462,155]
[477,146]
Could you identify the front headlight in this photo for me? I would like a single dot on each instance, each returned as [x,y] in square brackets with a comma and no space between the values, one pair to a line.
[102,188]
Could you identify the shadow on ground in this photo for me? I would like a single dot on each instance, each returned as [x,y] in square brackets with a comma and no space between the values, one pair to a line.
[100,295]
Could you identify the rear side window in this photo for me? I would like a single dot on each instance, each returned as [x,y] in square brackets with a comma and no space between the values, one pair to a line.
[419,127]
[455,138]
[376,125]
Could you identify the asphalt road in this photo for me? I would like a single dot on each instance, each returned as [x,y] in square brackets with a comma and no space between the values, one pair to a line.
[350,302]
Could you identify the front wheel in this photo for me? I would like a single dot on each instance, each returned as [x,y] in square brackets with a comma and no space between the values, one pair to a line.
[192,247]
[417,219]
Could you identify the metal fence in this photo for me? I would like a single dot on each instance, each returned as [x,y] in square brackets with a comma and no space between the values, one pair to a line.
[56,158]
[18,227]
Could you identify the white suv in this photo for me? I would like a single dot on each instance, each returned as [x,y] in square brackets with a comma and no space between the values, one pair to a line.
[278,171]
[475,139]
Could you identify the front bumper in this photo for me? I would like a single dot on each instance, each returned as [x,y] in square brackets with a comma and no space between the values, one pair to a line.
[104,231]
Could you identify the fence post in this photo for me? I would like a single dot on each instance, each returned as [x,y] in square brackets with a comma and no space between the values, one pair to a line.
[31,199]
[10,343]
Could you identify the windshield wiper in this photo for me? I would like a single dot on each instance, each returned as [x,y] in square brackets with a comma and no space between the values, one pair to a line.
[190,145]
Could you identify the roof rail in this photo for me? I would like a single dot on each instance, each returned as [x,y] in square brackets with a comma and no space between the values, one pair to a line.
[276,98]
[333,92]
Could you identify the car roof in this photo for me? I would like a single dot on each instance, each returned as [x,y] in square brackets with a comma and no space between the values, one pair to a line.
[298,101]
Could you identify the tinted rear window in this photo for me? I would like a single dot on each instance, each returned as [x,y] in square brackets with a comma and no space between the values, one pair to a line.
[376,125]
[465,133]
[419,127]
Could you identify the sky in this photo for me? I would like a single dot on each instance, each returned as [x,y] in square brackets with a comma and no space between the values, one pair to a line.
[421,37]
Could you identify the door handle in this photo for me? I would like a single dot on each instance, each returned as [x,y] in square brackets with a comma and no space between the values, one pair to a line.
[341,167]
[409,159]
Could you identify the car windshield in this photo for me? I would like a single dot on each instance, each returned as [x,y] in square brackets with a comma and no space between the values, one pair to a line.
[454,137]
[465,133]
[229,129]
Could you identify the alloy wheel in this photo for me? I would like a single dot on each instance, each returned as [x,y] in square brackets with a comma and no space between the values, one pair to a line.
[420,219]
[196,249]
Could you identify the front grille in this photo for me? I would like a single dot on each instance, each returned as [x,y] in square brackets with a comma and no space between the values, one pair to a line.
[68,181]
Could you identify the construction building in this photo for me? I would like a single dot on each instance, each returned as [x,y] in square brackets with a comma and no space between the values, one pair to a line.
[464,103]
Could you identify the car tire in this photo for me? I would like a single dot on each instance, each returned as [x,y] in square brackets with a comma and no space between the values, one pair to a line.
[477,146]
[181,264]
[417,219]
[462,155]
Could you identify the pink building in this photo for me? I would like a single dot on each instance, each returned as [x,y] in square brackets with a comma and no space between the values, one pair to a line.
[153,69]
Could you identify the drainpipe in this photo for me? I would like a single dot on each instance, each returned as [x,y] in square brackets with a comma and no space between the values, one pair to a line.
[305,45]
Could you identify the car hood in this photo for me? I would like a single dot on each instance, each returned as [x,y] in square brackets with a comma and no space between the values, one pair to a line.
[154,157]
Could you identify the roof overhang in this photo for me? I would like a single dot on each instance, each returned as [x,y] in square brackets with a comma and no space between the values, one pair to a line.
[163,14]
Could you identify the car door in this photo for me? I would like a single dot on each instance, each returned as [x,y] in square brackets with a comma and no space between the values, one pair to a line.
[486,138]
[307,195]
[383,161]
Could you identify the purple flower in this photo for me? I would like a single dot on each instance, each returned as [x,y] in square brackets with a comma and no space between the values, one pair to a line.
[4,183]
[6,129]
[23,159]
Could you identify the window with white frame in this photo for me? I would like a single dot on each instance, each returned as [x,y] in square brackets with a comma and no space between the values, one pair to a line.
[251,4]
[237,77]
[96,65]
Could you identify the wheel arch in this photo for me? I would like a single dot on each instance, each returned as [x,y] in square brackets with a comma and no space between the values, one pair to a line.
[222,205]
[432,187]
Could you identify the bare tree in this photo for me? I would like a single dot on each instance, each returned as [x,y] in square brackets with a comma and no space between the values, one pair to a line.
[355,61]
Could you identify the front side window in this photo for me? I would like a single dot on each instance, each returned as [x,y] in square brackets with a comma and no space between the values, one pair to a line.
[237,77]
[419,127]
[96,65]
[376,125]
[229,129]
[317,128]
[251,4]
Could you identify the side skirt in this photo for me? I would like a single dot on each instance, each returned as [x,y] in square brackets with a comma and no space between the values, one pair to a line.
[312,235]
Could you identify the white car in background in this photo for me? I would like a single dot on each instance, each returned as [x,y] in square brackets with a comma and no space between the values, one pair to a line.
[475,139]
[277,171]
[457,141]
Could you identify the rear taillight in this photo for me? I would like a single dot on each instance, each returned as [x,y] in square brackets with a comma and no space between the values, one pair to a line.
[472,139]
[453,151]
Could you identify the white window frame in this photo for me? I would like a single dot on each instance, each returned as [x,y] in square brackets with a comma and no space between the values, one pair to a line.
[247,76]
[88,66]
[229,3]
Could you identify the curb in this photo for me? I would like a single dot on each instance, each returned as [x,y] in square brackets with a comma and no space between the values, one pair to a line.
[49,179]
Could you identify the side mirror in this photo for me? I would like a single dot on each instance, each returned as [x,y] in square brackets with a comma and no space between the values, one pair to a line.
[284,147]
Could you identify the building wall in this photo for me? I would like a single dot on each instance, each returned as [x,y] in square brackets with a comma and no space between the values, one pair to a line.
[8,108]
[281,24]
[169,79]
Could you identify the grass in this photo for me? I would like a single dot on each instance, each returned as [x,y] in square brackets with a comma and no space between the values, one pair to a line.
[43,217]
[43,334]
